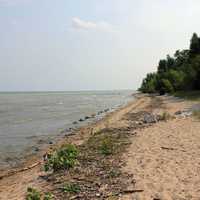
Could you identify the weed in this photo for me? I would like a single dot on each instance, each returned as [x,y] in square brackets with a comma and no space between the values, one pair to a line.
[48,196]
[33,194]
[64,158]
[114,173]
[165,116]
[107,146]
[71,188]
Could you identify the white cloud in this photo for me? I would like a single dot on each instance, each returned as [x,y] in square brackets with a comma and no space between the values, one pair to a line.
[80,24]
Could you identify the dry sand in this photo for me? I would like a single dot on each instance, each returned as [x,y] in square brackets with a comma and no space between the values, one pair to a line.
[165,158]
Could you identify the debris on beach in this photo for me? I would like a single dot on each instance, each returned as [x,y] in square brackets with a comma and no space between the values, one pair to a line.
[150,118]
[183,114]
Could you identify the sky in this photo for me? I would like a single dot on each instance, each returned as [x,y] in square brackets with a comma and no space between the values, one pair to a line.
[48,45]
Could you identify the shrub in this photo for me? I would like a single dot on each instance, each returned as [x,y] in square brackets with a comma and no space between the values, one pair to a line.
[64,158]
[71,188]
[33,194]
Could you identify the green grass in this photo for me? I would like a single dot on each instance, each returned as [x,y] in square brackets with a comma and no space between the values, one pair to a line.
[48,196]
[107,146]
[103,143]
[63,158]
[71,188]
[33,194]
[189,95]
[113,173]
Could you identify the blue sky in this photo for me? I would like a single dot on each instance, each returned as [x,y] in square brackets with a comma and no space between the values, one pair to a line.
[89,44]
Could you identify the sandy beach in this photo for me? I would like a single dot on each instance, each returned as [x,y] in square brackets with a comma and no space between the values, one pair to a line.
[157,160]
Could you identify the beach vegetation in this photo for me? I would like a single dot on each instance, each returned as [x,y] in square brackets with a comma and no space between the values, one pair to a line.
[48,196]
[61,159]
[71,188]
[33,194]
[107,146]
[177,73]
[113,173]
[165,116]
[103,143]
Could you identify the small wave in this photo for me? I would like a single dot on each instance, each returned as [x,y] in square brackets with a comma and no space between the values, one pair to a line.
[60,103]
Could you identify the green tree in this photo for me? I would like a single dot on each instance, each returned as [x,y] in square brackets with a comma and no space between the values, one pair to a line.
[170,62]
[181,72]
[162,66]
[176,78]
[166,86]
[194,44]
[149,83]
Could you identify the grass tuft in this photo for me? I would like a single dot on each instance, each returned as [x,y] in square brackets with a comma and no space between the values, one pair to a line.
[33,194]
[48,196]
[107,146]
[165,116]
[71,188]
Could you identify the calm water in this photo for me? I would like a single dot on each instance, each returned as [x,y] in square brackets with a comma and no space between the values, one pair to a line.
[30,120]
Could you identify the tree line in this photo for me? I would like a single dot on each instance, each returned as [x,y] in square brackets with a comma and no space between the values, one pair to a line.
[180,72]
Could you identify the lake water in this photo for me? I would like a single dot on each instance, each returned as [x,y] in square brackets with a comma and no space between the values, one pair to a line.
[27,120]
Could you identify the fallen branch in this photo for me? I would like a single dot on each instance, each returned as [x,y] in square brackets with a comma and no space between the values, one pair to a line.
[132,191]
[168,148]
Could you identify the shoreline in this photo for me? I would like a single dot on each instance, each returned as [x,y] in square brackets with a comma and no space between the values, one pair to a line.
[35,120]
[126,124]
[35,159]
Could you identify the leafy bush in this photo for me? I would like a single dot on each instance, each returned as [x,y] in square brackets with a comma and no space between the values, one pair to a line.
[71,188]
[33,194]
[64,158]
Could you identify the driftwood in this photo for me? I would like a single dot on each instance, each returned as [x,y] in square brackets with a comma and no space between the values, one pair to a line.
[168,148]
[132,191]
[20,170]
